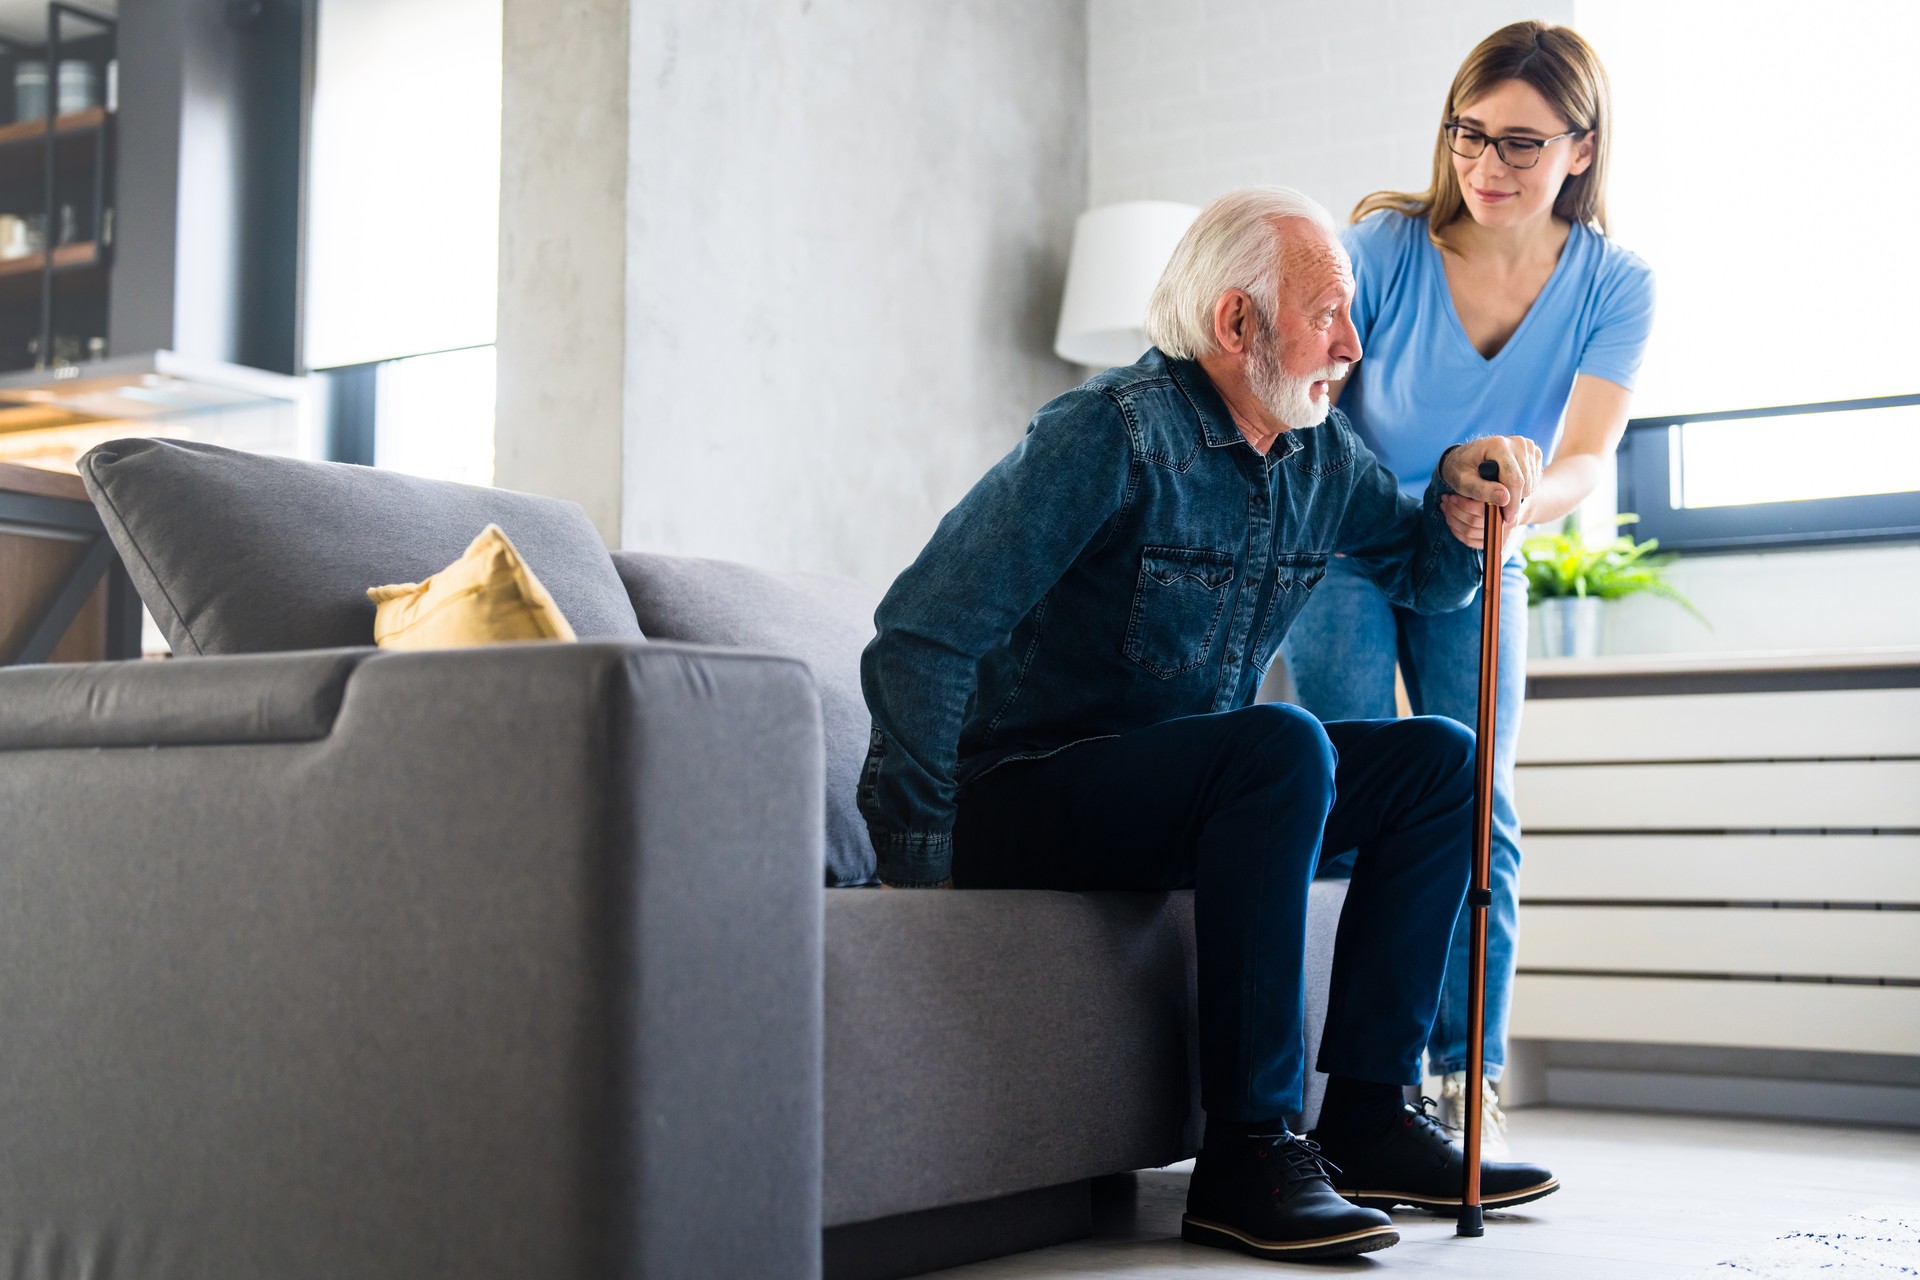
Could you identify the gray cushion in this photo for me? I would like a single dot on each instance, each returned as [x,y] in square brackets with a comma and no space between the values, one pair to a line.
[823,621]
[243,553]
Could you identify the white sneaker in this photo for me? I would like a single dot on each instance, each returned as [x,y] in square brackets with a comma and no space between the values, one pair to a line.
[1493,1121]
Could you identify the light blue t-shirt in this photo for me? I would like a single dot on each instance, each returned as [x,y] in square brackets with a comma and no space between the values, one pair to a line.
[1421,387]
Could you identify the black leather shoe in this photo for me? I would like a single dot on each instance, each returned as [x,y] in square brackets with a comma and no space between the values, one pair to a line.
[1416,1162]
[1269,1196]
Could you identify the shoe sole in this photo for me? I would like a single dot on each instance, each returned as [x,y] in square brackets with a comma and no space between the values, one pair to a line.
[1222,1236]
[1449,1206]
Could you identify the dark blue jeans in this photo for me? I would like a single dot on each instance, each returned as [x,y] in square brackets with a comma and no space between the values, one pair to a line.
[1237,806]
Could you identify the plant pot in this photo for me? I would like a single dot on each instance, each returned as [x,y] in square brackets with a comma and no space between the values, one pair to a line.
[1568,627]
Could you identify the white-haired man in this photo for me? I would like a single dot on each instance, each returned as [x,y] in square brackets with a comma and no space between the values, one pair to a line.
[1063,687]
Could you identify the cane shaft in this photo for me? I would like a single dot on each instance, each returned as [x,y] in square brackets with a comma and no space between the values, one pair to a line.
[1482,863]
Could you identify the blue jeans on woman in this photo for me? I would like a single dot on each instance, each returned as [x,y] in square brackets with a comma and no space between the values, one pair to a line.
[1341,653]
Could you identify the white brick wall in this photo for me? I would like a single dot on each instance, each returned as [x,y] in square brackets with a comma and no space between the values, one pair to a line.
[1192,98]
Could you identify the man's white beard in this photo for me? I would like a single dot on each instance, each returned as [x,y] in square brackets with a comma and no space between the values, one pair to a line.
[1286,397]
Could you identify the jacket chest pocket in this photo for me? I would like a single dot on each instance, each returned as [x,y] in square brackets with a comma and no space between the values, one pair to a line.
[1178,602]
[1294,576]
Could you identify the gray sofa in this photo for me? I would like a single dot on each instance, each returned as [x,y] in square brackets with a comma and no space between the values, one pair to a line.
[322,961]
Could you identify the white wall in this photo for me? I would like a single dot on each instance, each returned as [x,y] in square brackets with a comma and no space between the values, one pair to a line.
[847,229]
[1825,598]
[1192,98]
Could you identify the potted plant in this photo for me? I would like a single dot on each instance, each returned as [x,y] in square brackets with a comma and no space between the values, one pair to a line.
[1569,578]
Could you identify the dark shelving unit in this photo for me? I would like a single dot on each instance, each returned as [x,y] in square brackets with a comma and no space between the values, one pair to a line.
[54,300]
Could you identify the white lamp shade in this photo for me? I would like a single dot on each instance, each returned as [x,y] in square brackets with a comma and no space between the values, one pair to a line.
[1119,251]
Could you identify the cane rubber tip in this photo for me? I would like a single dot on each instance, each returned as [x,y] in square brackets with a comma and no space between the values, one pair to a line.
[1472,1221]
[1489,470]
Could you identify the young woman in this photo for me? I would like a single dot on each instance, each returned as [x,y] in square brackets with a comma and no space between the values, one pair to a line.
[1492,303]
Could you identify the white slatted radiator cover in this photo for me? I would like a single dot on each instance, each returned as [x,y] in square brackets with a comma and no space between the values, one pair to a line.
[1727,855]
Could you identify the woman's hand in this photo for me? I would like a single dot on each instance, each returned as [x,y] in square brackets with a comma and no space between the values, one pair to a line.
[1468,520]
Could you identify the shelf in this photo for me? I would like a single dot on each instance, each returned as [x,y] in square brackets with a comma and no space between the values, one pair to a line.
[130,390]
[79,271]
[63,126]
[78,138]
[66,257]
[46,484]
[1662,664]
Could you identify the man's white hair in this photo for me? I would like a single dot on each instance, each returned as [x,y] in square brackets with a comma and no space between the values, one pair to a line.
[1233,244]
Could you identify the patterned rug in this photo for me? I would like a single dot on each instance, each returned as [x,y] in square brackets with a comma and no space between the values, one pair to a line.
[1878,1243]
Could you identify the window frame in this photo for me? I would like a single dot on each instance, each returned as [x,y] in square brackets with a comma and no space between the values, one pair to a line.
[1646,487]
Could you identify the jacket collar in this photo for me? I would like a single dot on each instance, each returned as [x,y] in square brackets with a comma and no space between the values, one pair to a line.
[1216,422]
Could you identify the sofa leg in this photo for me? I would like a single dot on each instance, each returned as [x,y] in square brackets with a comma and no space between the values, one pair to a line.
[908,1244]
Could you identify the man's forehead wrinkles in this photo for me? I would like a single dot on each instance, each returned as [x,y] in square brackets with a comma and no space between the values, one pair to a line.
[1306,251]
[1316,267]
[1302,254]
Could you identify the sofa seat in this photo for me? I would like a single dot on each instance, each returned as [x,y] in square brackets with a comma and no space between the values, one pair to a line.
[981,1043]
[988,1048]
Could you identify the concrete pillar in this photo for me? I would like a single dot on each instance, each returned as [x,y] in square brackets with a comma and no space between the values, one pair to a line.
[563,254]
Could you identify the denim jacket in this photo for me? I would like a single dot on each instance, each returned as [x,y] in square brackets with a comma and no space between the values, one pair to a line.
[1133,560]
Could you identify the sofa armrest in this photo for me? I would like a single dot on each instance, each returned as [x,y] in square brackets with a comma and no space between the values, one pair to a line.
[493,962]
[274,697]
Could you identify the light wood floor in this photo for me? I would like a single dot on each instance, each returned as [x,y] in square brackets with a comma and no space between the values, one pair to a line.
[1644,1196]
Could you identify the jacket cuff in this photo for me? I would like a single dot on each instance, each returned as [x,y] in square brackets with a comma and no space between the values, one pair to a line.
[1444,553]
[913,859]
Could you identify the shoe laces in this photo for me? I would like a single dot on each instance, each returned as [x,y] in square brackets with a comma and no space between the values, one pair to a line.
[1423,1116]
[1293,1160]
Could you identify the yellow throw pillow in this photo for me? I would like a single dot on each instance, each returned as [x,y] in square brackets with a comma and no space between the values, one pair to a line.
[487,596]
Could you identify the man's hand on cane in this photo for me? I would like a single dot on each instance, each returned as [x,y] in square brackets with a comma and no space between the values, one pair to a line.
[1520,463]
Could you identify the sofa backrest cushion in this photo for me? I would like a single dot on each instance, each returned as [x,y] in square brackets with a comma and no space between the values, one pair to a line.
[243,553]
[823,621]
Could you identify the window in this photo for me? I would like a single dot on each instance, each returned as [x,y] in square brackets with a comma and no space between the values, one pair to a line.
[404,208]
[1758,166]
[403,231]
[435,416]
[1847,471]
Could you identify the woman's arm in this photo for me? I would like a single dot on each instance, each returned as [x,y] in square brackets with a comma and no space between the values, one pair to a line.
[1596,419]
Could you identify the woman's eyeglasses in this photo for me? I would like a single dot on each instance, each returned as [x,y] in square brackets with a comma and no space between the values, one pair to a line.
[1515,153]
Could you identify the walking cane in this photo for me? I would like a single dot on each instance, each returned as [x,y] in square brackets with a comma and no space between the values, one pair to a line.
[1480,896]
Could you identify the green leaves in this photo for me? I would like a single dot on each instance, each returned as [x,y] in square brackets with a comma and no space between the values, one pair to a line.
[1560,565]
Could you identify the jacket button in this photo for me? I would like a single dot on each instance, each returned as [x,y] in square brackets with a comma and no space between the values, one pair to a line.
[1233,655]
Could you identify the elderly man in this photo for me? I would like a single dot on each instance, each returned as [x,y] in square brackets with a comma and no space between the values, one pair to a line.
[1063,694]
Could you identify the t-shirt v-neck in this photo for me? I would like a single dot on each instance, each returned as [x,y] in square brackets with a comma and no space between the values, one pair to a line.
[1439,266]
[1421,386]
